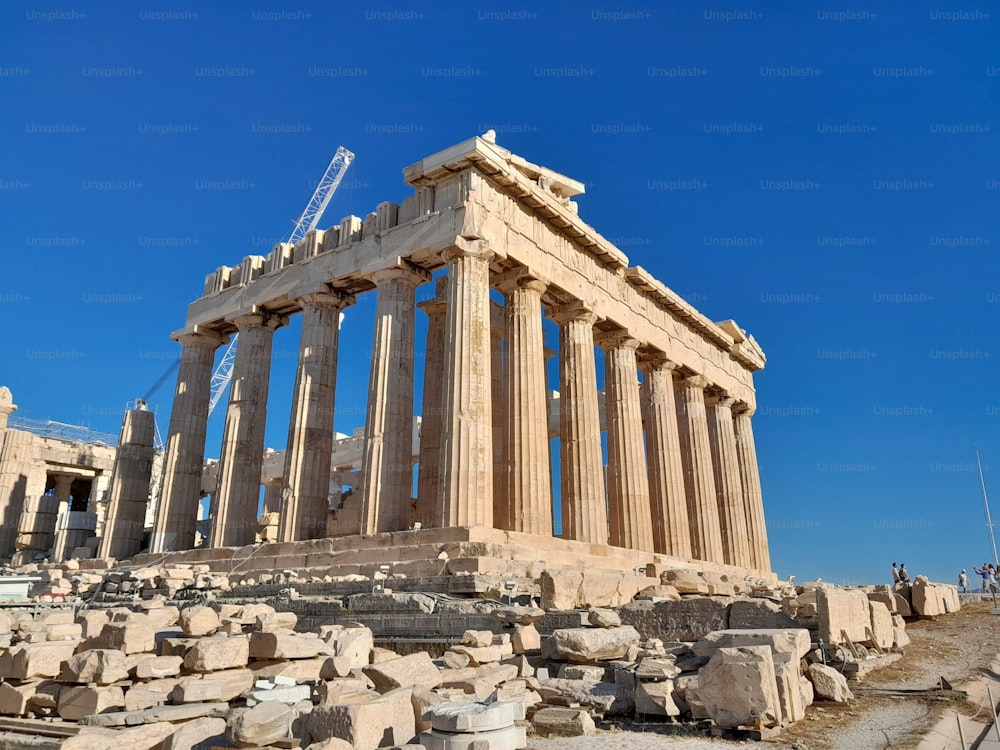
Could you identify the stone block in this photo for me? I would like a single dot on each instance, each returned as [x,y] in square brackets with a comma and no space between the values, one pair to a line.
[581,672]
[387,720]
[881,620]
[14,698]
[289,694]
[842,611]
[525,639]
[829,684]
[214,686]
[390,603]
[789,641]
[902,605]
[129,637]
[36,659]
[145,737]
[480,655]
[738,687]
[656,699]
[271,621]
[264,724]
[92,622]
[198,733]
[603,618]
[787,677]
[198,621]
[686,620]
[162,617]
[285,644]
[664,668]
[477,638]
[77,702]
[594,644]
[563,722]
[886,597]
[211,654]
[574,589]
[149,694]
[759,614]
[605,696]
[155,667]
[355,644]
[517,615]
[101,666]
[403,672]
[933,599]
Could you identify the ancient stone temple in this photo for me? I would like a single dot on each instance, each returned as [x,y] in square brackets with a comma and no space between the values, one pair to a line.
[680,482]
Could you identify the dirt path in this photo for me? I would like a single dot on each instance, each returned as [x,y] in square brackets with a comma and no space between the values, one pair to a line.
[957,647]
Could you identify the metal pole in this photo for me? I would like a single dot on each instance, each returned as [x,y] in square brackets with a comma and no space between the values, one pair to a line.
[961,734]
[986,503]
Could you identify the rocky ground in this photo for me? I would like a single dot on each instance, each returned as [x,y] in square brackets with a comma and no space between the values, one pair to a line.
[958,647]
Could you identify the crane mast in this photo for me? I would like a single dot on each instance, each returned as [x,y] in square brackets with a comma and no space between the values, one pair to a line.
[310,217]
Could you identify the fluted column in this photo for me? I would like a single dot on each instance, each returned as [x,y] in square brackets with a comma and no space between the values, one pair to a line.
[584,509]
[17,453]
[628,479]
[303,499]
[430,421]
[746,454]
[671,528]
[465,495]
[129,491]
[699,482]
[388,460]
[526,503]
[497,390]
[177,510]
[234,521]
[728,487]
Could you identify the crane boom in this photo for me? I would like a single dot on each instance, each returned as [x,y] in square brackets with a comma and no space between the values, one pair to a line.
[310,217]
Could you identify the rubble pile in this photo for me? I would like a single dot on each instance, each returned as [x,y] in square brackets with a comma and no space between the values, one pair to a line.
[176,674]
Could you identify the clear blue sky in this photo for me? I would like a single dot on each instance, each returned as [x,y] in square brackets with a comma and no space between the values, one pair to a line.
[828,179]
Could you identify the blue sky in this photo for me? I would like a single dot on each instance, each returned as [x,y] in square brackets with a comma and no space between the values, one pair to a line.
[827,177]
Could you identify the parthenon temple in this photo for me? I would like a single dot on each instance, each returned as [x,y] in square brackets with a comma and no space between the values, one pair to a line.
[680,480]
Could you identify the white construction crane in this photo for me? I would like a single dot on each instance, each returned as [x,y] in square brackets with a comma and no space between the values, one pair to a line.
[307,222]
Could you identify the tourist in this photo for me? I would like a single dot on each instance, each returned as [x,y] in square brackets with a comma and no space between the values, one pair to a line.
[895,574]
[963,582]
[904,576]
[984,572]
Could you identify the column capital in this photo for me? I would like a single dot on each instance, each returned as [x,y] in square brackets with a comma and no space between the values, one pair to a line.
[465,247]
[405,271]
[618,339]
[327,298]
[655,361]
[519,278]
[743,409]
[693,381]
[720,398]
[200,336]
[573,311]
[259,319]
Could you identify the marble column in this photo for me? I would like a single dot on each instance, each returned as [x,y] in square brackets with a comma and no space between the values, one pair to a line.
[728,487]
[746,454]
[304,498]
[497,345]
[526,502]
[430,422]
[671,528]
[121,536]
[465,494]
[584,508]
[63,492]
[235,520]
[17,453]
[388,459]
[628,479]
[699,482]
[177,510]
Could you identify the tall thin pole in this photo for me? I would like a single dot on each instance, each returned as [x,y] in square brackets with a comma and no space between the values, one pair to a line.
[986,503]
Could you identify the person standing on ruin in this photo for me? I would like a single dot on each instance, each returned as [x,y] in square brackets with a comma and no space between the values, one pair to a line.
[963,582]
[904,576]
[895,574]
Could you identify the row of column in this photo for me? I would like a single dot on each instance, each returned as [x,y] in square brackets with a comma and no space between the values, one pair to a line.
[685,485]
